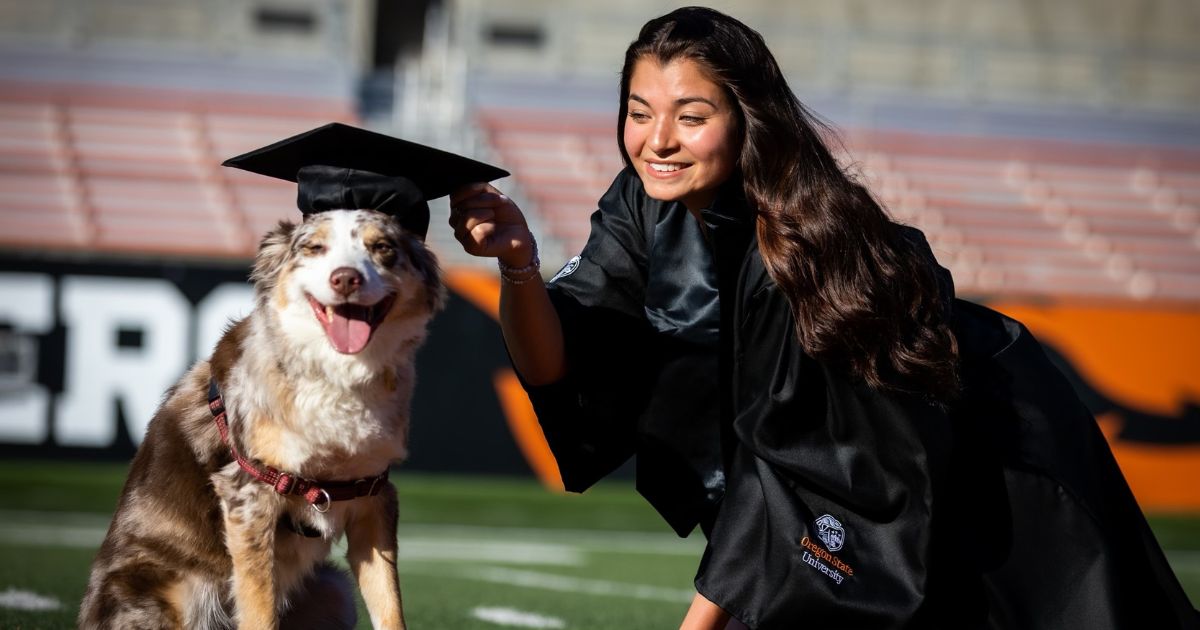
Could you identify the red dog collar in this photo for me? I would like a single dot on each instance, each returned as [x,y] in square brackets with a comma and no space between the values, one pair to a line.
[318,494]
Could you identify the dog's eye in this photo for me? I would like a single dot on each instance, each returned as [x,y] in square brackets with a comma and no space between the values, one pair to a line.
[383,248]
[312,249]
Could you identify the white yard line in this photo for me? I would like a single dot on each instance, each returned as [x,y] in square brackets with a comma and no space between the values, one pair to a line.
[79,529]
[446,551]
[47,535]
[555,582]
[466,543]
[664,544]
[514,617]
[474,550]
[27,600]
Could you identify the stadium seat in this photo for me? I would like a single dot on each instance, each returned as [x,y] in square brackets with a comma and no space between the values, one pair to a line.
[88,168]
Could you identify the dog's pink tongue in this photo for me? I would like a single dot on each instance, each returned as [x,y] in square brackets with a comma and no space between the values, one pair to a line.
[348,330]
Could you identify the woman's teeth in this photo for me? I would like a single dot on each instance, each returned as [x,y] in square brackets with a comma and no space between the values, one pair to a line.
[665,168]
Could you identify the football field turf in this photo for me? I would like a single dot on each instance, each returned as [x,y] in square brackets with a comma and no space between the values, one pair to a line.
[475,552]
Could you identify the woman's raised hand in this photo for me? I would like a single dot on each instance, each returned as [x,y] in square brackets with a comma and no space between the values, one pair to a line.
[487,223]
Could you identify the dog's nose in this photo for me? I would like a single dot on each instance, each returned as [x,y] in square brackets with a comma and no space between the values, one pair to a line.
[345,280]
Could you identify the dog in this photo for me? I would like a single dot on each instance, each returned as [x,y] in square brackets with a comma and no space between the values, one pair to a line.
[311,393]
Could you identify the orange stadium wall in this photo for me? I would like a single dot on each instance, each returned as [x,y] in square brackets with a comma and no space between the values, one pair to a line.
[1138,369]
[87,348]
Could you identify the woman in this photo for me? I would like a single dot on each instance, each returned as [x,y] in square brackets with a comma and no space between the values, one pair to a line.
[794,375]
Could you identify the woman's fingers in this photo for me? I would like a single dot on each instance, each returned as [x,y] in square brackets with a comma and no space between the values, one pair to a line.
[472,218]
[468,206]
[470,190]
[474,229]
[482,200]
[481,217]
[484,196]
[483,233]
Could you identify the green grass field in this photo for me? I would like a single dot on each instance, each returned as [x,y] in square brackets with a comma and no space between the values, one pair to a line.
[475,552]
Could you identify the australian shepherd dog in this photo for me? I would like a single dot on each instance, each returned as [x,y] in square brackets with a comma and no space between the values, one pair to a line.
[263,456]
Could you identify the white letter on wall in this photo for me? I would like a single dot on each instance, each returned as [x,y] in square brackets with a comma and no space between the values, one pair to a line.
[98,370]
[26,302]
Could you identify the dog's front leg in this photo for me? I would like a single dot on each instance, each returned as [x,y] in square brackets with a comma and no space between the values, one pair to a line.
[251,511]
[371,551]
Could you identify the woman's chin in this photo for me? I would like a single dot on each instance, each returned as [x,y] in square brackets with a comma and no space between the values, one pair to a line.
[695,198]
[660,191]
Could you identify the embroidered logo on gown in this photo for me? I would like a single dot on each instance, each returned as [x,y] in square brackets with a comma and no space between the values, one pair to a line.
[830,531]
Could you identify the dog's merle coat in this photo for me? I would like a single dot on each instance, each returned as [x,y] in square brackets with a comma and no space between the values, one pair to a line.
[317,381]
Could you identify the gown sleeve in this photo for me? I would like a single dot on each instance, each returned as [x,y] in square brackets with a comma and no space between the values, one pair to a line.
[1081,554]
[640,310]
[589,417]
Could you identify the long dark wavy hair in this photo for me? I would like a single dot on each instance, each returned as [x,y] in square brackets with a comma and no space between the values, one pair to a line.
[864,293]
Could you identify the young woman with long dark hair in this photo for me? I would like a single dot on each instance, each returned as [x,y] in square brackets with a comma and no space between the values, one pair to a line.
[794,375]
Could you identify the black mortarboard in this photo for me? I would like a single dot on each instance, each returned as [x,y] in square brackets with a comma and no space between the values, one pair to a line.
[339,167]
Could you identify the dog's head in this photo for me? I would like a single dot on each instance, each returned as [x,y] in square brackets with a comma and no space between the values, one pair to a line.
[347,280]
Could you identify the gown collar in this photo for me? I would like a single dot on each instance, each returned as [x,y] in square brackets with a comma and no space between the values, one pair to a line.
[688,265]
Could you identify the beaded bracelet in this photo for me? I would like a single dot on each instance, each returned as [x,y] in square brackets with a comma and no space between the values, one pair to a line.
[508,280]
[521,275]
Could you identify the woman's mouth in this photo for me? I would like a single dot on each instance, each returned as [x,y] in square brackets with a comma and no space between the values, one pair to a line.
[665,169]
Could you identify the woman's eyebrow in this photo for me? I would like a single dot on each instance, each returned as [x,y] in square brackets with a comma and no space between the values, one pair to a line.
[679,101]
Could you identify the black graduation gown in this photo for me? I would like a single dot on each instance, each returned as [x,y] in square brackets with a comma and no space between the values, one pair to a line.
[844,508]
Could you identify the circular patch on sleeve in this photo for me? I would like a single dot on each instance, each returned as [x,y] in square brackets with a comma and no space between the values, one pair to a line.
[567,269]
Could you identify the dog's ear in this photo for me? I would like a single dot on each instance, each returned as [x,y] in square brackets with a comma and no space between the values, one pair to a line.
[273,252]
[426,264]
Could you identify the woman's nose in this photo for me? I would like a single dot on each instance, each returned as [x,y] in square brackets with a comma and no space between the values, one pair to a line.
[662,138]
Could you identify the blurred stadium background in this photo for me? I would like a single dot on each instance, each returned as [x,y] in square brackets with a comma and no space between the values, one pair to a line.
[1049,149]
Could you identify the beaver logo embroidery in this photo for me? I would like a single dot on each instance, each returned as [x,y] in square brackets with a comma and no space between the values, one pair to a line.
[830,531]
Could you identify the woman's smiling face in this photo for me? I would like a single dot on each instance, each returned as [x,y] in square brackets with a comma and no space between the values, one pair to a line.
[681,132]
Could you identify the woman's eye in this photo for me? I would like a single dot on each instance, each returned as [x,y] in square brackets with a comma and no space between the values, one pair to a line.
[639,116]
[692,120]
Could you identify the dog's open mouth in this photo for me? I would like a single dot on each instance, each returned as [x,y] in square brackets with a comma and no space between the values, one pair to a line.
[349,326]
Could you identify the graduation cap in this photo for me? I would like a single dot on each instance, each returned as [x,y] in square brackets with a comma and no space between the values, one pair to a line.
[339,167]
